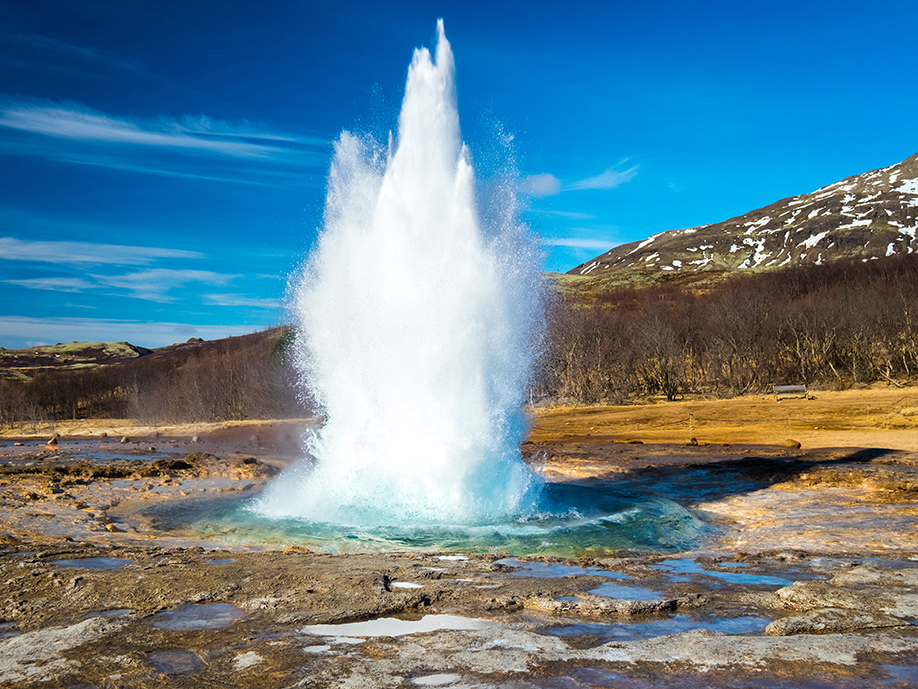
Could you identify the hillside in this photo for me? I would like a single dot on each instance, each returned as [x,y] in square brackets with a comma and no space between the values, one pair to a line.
[232,378]
[843,323]
[871,215]
[24,363]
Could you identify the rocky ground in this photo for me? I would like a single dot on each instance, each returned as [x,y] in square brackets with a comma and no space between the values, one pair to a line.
[809,577]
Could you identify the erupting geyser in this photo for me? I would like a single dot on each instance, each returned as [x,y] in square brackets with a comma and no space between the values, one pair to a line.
[418,326]
[418,317]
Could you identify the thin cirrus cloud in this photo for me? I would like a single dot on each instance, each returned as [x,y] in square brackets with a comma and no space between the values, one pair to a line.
[236,300]
[191,147]
[78,123]
[609,179]
[54,284]
[151,285]
[147,334]
[546,184]
[574,215]
[154,284]
[45,53]
[71,253]
[578,243]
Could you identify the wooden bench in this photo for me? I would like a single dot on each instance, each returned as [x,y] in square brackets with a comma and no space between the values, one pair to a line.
[789,390]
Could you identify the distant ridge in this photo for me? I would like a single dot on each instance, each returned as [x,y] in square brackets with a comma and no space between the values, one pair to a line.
[866,216]
[24,364]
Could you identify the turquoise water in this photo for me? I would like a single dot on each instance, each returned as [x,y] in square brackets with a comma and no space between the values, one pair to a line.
[571,520]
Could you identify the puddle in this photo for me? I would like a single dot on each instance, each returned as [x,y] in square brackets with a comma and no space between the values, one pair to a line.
[8,629]
[552,570]
[94,563]
[176,662]
[649,630]
[610,590]
[454,558]
[687,566]
[222,561]
[194,616]
[391,626]
[907,674]
[405,585]
[600,677]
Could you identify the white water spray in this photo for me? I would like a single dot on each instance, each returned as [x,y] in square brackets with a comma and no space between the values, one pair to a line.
[418,331]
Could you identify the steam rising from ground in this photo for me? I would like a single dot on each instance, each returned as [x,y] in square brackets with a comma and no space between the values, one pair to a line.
[418,326]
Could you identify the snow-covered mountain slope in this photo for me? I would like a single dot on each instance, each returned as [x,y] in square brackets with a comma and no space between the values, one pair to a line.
[866,216]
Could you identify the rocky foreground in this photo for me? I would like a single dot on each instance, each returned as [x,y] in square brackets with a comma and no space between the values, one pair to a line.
[808,578]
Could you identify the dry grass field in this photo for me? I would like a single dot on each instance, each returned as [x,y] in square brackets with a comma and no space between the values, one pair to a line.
[882,416]
[872,417]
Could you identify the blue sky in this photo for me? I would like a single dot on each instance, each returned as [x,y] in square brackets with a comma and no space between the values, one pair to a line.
[162,164]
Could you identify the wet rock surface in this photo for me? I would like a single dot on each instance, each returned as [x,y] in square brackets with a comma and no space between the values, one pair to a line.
[809,578]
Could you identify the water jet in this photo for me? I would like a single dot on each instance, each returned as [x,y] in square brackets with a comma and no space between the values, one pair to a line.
[418,326]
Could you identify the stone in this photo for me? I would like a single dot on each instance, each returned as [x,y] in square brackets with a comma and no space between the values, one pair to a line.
[831,621]
[41,655]
[791,443]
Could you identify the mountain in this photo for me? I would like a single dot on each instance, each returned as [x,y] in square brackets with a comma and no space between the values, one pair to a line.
[866,216]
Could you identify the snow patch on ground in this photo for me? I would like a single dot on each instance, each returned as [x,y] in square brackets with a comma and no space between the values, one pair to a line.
[857,222]
[813,240]
[643,244]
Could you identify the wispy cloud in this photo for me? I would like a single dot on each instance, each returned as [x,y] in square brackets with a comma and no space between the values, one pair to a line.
[574,215]
[86,252]
[191,147]
[16,331]
[72,52]
[546,184]
[611,178]
[237,300]
[540,186]
[578,243]
[77,122]
[155,284]
[54,284]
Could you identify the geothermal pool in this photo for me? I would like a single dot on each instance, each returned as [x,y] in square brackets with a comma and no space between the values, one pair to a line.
[589,521]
